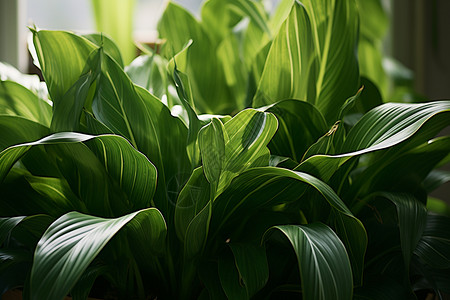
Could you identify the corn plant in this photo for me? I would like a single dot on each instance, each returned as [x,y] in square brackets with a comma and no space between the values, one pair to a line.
[243,160]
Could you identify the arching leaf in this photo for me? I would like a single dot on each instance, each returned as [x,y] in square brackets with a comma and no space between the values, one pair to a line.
[72,242]
[322,259]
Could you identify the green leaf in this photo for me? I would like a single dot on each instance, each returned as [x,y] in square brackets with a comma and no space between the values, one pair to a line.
[67,110]
[313,57]
[290,68]
[382,172]
[247,135]
[230,279]
[392,123]
[191,200]
[16,100]
[211,141]
[384,126]
[300,125]
[17,130]
[38,195]
[149,72]
[90,167]
[135,114]
[62,58]
[6,226]
[323,262]
[184,93]
[335,27]
[251,262]
[252,9]
[165,146]
[107,44]
[197,233]
[210,93]
[260,188]
[435,179]
[72,242]
[326,143]
[412,216]
[433,247]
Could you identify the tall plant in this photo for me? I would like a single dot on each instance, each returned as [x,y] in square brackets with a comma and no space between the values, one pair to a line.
[243,161]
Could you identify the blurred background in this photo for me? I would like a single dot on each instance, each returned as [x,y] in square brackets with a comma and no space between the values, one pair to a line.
[415,35]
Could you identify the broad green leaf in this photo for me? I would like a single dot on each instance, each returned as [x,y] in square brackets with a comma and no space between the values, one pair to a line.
[17,130]
[384,126]
[38,195]
[436,279]
[349,104]
[67,110]
[149,72]
[134,173]
[313,57]
[412,216]
[433,247]
[72,242]
[62,58]
[435,179]
[211,141]
[90,169]
[230,279]
[166,143]
[16,100]
[182,85]
[369,99]
[253,10]
[392,123]
[279,15]
[116,100]
[107,44]
[326,143]
[191,200]
[251,262]
[247,135]
[290,68]
[335,27]
[234,68]
[57,198]
[7,224]
[210,93]
[134,113]
[197,233]
[382,172]
[323,262]
[267,187]
[300,125]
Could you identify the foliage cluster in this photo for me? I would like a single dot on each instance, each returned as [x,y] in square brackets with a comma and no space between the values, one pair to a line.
[242,160]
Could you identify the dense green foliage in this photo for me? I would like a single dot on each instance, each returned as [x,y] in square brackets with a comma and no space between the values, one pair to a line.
[242,160]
